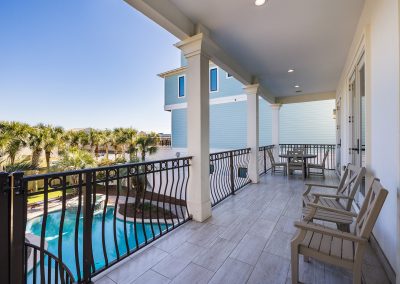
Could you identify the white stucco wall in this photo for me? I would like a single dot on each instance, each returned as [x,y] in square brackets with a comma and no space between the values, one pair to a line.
[379,24]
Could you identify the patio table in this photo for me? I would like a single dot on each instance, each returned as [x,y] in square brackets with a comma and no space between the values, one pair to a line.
[304,158]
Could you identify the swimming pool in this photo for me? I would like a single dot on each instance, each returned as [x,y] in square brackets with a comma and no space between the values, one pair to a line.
[34,226]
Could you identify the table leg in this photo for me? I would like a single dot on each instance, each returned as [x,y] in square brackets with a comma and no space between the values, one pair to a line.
[305,168]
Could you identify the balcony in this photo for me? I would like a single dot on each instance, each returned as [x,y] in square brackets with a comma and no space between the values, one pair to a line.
[247,240]
[131,223]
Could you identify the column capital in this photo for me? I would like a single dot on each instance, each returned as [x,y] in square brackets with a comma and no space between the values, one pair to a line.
[253,89]
[192,46]
[275,106]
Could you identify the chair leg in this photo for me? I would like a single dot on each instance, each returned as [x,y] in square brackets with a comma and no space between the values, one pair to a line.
[295,264]
[357,273]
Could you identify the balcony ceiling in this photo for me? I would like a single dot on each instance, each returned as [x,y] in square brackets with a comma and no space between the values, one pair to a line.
[311,36]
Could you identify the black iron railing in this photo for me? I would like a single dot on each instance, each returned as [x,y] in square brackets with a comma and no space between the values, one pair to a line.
[228,173]
[264,163]
[315,149]
[54,271]
[73,225]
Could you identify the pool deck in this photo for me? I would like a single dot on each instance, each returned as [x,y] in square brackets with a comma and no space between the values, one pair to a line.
[247,240]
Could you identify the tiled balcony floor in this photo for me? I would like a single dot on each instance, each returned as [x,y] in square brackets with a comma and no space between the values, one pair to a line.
[247,240]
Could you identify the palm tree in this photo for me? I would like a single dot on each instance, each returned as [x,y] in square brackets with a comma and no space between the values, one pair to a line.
[5,138]
[14,135]
[95,140]
[147,143]
[84,139]
[107,140]
[76,159]
[129,137]
[36,144]
[52,140]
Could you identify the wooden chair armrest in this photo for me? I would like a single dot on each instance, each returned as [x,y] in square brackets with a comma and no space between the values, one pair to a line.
[310,185]
[335,210]
[331,196]
[328,231]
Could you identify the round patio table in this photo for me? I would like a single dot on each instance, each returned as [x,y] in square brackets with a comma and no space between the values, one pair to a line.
[304,157]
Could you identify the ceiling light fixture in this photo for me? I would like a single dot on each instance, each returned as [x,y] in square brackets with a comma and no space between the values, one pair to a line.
[259,2]
[297,86]
[290,70]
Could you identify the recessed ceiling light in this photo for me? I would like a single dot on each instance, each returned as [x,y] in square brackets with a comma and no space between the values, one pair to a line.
[290,70]
[297,86]
[259,2]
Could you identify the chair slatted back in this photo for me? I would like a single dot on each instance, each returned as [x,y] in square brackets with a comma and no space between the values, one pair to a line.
[349,184]
[271,156]
[324,159]
[297,155]
[370,209]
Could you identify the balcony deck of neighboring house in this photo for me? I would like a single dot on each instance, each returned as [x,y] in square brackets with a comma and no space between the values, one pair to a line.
[247,240]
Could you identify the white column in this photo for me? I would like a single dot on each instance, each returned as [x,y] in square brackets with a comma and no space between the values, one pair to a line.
[198,144]
[275,127]
[253,130]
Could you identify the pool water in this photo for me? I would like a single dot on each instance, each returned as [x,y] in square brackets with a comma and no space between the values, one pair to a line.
[34,226]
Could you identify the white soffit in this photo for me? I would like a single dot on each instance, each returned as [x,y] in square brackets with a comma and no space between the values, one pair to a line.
[311,36]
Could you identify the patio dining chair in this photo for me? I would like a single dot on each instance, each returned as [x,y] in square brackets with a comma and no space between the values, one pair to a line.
[296,163]
[344,249]
[342,199]
[320,167]
[274,164]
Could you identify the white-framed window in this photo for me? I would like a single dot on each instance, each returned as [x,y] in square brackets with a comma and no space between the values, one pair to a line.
[213,79]
[181,86]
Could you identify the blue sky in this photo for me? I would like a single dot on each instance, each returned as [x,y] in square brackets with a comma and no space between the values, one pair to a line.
[83,63]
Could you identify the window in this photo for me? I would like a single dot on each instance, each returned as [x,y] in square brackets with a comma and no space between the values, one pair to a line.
[213,80]
[181,86]
[228,75]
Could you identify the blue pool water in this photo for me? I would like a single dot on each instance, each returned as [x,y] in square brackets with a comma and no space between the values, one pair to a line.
[34,226]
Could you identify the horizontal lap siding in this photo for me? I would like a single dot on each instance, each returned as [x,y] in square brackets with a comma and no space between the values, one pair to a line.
[228,125]
[310,122]
[265,123]
[179,124]
[171,90]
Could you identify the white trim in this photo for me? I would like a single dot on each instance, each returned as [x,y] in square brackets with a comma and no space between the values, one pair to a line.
[230,99]
[209,74]
[175,106]
[216,101]
[184,86]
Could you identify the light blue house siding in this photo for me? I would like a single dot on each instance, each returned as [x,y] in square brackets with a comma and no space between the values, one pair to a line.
[228,125]
[310,122]
[178,128]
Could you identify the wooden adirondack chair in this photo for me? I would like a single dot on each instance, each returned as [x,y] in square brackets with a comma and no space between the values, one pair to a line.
[318,166]
[336,247]
[274,164]
[342,200]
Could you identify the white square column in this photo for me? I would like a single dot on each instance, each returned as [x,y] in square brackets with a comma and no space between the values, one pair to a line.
[275,127]
[198,141]
[253,130]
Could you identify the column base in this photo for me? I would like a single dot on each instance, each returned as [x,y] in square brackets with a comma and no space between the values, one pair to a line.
[199,211]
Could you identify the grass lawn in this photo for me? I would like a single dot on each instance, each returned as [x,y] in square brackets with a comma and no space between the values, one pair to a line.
[40,197]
